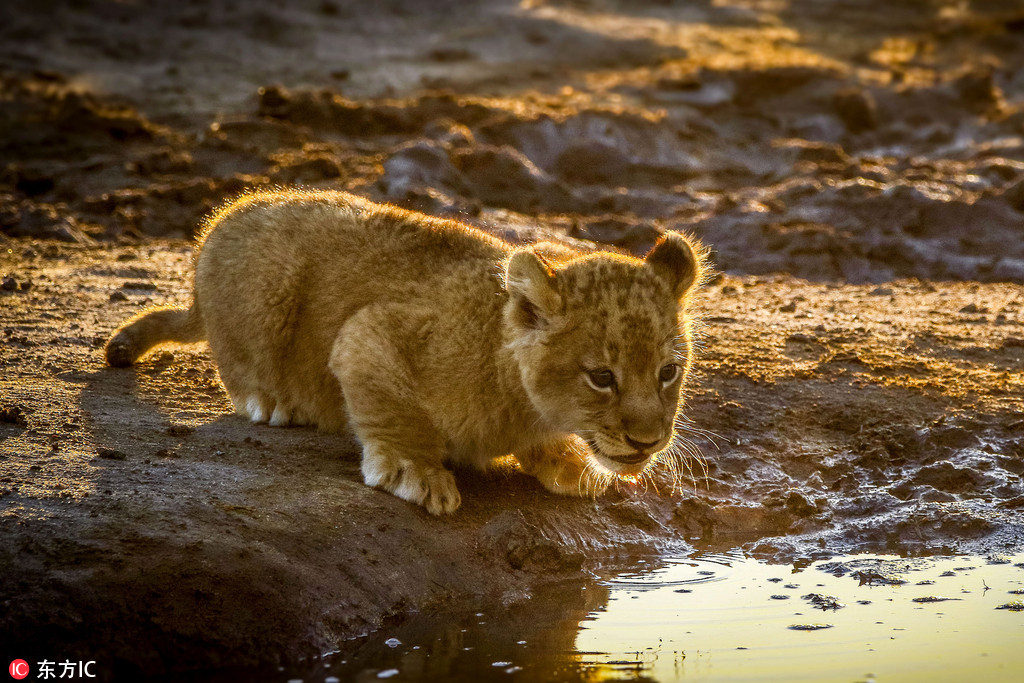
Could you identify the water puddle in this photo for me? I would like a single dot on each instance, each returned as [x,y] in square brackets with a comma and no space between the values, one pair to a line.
[722,618]
[727,618]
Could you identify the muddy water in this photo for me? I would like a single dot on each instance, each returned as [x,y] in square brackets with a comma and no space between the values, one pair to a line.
[722,617]
[726,618]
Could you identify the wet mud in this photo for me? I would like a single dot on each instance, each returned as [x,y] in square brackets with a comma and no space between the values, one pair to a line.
[860,380]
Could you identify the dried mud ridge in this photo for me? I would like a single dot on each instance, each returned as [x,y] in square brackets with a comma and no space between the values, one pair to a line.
[893,164]
[861,369]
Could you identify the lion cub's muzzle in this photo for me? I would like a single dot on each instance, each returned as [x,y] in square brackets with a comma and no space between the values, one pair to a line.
[642,451]
[626,456]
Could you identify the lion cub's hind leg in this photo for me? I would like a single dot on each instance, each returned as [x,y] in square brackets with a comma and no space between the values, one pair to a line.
[251,396]
[281,417]
[260,408]
[249,400]
[256,407]
[402,452]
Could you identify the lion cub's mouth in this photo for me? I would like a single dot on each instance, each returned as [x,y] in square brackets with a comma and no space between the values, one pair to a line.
[632,459]
[622,465]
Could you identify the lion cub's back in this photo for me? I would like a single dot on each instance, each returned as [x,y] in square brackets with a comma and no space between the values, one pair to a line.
[336,243]
[278,274]
[261,252]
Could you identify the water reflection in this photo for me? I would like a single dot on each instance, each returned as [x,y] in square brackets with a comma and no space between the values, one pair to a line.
[720,618]
[727,618]
[532,640]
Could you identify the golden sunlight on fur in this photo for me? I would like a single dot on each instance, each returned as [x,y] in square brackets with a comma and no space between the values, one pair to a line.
[434,342]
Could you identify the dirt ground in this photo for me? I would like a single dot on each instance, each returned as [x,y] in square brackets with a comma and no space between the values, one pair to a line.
[856,166]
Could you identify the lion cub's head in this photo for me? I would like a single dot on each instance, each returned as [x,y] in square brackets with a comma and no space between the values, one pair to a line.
[603,343]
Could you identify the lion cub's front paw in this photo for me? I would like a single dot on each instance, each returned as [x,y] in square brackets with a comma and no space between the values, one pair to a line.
[566,475]
[432,487]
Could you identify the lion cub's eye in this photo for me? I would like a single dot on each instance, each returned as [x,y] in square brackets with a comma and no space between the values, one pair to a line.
[602,380]
[669,374]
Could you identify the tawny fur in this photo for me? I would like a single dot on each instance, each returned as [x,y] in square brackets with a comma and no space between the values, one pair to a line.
[433,341]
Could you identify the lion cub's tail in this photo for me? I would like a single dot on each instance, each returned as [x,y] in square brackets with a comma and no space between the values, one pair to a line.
[155,326]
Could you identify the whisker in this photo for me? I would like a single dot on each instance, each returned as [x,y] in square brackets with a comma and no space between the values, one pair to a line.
[683,424]
[684,453]
[648,476]
[672,465]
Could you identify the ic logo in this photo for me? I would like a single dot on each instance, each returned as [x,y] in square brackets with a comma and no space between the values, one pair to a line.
[19,669]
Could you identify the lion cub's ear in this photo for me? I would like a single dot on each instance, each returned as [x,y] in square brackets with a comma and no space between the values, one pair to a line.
[531,284]
[678,261]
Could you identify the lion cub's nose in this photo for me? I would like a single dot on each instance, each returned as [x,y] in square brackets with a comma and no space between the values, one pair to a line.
[641,445]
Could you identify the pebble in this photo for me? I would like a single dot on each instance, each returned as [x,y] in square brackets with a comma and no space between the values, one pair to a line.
[1015,606]
[823,601]
[857,109]
[14,415]
[809,627]
[143,286]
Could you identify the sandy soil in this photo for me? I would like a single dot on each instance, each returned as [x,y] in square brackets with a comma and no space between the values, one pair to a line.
[861,375]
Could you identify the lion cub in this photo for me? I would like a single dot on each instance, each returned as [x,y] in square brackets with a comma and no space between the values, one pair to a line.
[433,341]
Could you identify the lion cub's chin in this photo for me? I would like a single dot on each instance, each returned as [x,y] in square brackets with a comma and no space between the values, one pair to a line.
[620,469]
